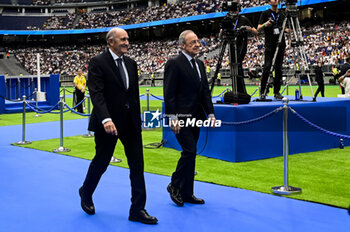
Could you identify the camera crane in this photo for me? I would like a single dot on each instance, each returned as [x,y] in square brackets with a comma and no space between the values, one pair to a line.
[301,66]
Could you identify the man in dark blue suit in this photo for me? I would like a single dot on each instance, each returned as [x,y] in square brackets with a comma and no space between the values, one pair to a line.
[114,90]
[186,96]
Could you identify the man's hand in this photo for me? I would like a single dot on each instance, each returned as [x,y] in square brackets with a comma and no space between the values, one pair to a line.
[212,121]
[268,24]
[110,128]
[174,125]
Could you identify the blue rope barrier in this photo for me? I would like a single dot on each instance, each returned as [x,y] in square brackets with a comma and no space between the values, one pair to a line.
[10,100]
[73,111]
[254,92]
[142,95]
[254,119]
[221,93]
[40,111]
[318,127]
[157,97]
[78,103]
[283,90]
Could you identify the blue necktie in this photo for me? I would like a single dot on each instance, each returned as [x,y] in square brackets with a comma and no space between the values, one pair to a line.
[195,69]
[121,71]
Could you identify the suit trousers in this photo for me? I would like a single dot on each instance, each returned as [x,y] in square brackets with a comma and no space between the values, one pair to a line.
[183,177]
[278,70]
[105,145]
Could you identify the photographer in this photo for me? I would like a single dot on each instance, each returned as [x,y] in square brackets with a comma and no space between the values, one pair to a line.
[240,26]
[271,22]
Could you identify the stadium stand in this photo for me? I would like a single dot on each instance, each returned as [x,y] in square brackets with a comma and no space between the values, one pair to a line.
[326,41]
[143,14]
[21,23]
[25,2]
[330,43]
[5,1]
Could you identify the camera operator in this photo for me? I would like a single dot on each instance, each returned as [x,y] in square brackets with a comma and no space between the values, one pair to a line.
[241,26]
[271,22]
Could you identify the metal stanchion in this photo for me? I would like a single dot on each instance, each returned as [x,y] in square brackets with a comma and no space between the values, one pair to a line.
[74,98]
[88,135]
[285,189]
[147,99]
[36,103]
[84,106]
[23,141]
[64,93]
[61,148]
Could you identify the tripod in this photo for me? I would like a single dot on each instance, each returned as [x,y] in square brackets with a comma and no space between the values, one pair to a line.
[229,37]
[301,66]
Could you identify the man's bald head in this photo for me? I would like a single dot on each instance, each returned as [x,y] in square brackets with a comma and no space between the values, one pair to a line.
[118,41]
[112,33]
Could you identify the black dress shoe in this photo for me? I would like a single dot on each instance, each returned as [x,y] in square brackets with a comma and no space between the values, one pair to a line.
[143,217]
[86,203]
[193,200]
[175,195]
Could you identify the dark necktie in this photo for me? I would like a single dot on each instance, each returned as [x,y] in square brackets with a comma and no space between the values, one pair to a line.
[195,69]
[121,71]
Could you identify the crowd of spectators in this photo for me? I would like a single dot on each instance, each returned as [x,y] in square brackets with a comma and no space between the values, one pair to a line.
[134,15]
[244,3]
[329,43]
[41,2]
[253,3]
[48,2]
[59,22]
[66,60]
[149,14]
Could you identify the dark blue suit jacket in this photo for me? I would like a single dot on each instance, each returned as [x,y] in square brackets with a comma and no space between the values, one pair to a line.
[184,93]
[109,96]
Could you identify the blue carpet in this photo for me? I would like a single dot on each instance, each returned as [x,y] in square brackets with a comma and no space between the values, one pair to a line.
[39,192]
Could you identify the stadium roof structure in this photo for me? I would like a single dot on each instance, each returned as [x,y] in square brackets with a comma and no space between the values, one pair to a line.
[154,23]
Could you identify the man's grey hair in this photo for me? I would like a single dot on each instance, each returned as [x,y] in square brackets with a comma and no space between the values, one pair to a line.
[183,35]
[110,35]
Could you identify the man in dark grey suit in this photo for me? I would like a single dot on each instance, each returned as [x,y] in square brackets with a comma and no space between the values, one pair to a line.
[113,86]
[186,96]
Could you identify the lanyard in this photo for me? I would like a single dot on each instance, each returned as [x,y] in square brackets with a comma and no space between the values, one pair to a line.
[236,24]
[274,18]
[81,78]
